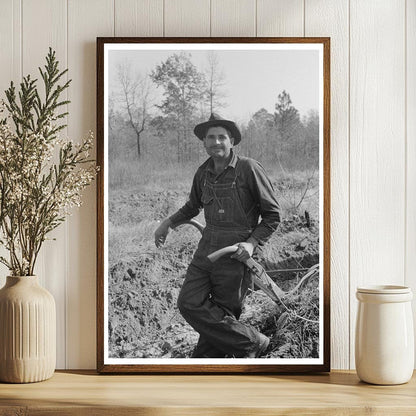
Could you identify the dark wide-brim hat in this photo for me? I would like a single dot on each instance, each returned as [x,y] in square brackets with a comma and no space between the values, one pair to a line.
[216,121]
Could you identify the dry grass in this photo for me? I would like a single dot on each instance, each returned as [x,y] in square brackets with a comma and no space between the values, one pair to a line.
[149,176]
[144,281]
[290,335]
[297,192]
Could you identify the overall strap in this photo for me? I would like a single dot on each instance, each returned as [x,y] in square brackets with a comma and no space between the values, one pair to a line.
[238,168]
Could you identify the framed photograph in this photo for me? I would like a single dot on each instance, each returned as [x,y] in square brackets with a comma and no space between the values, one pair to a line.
[213,205]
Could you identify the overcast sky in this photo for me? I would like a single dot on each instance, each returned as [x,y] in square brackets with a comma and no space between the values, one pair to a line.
[253,79]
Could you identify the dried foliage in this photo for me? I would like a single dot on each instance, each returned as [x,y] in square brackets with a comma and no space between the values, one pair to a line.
[36,193]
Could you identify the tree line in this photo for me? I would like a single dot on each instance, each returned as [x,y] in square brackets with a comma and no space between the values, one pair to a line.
[139,127]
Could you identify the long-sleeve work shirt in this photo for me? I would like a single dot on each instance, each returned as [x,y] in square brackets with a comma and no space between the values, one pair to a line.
[254,188]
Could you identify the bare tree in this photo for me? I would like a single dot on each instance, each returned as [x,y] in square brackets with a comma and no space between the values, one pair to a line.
[215,83]
[111,114]
[135,96]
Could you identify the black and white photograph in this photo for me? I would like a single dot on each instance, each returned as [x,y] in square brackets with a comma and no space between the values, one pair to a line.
[212,249]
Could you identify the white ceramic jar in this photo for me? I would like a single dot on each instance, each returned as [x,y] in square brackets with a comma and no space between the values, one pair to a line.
[384,342]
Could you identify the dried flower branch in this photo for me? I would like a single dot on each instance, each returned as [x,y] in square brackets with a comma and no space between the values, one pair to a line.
[36,193]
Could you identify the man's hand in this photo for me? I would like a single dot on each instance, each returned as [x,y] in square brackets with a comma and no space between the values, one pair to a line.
[162,232]
[244,252]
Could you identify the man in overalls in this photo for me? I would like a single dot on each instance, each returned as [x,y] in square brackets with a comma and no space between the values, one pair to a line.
[234,192]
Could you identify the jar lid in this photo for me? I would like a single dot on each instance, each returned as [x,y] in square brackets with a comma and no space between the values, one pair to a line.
[384,289]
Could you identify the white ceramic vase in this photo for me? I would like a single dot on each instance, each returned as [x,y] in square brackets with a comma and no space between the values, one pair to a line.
[384,343]
[27,331]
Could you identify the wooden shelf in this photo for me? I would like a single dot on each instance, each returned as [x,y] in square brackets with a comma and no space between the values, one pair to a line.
[87,393]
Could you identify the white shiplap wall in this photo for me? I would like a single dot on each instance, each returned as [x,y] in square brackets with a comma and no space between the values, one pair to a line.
[373,132]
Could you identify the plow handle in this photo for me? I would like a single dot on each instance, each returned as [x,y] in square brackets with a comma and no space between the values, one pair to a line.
[259,276]
[221,252]
[193,222]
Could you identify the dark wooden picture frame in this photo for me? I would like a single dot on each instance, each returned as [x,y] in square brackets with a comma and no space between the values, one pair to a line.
[174,365]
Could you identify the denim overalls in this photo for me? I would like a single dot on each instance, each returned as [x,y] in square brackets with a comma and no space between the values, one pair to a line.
[212,294]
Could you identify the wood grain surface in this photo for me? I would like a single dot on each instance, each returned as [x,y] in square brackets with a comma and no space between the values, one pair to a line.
[138,17]
[81,250]
[280,18]
[373,128]
[187,18]
[377,148]
[329,18]
[35,46]
[233,18]
[85,393]
[410,273]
